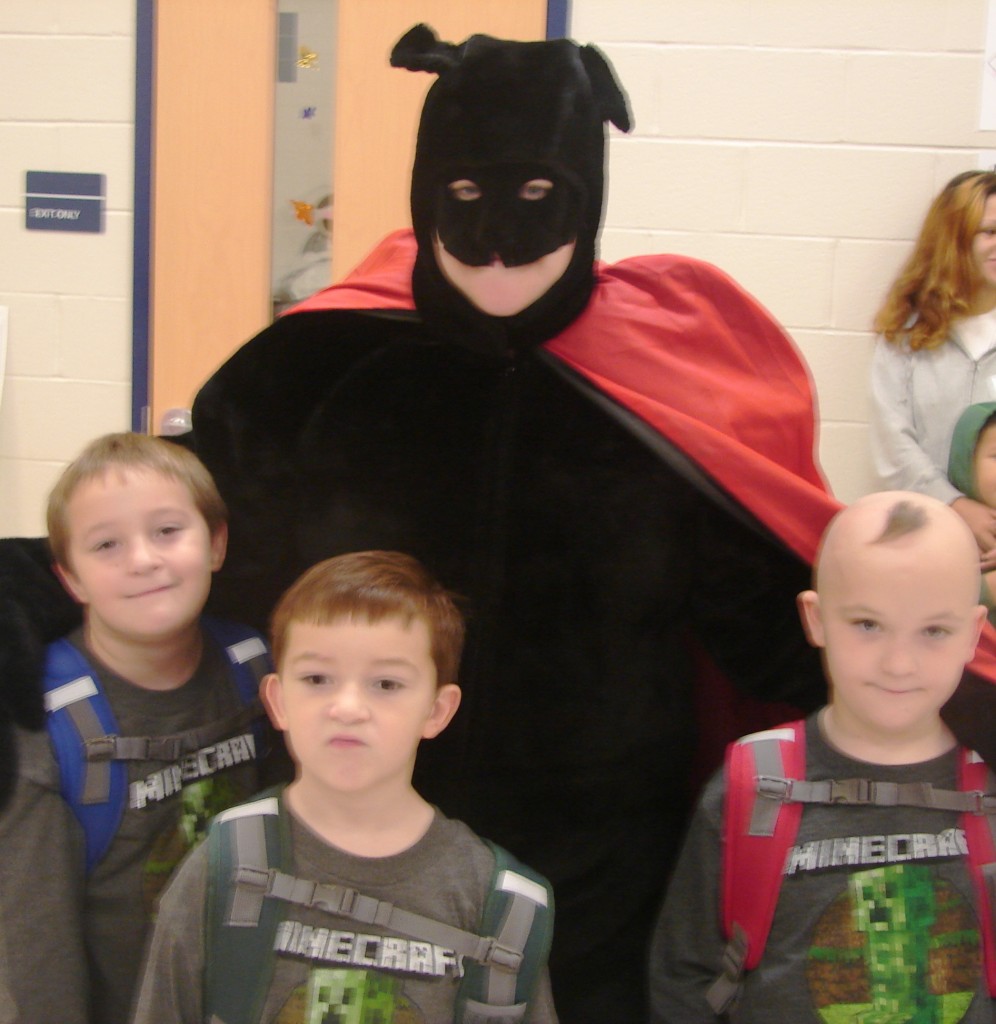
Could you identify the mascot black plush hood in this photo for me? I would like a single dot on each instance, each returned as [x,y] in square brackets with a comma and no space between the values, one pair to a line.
[474,127]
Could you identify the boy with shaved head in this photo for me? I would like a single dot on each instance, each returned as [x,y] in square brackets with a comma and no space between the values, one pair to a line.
[871,905]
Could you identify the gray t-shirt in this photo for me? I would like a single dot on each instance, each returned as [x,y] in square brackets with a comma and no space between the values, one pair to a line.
[71,945]
[876,914]
[445,876]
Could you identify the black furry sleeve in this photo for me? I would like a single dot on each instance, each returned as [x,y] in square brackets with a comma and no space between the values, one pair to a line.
[248,424]
[745,604]
[34,610]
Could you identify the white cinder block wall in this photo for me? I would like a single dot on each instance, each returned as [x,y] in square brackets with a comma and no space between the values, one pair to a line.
[796,144]
[793,143]
[66,104]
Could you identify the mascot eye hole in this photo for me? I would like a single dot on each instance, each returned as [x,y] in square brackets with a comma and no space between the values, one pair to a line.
[465,190]
[535,189]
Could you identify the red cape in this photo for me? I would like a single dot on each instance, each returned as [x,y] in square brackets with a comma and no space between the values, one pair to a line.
[681,345]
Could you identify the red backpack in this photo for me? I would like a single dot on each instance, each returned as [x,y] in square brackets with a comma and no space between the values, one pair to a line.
[766,788]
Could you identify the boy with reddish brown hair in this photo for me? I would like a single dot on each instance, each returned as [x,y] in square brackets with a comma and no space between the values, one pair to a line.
[367,648]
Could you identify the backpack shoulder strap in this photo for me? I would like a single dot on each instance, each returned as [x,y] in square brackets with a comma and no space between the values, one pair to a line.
[240,926]
[78,717]
[249,661]
[518,913]
[247,652]
[980,833]
[758,831]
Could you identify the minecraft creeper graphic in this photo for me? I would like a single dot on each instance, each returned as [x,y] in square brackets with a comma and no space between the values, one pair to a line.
[894,908]
[338,996]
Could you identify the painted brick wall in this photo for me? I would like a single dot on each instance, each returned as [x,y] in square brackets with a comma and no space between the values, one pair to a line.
[66,104]
[794,144]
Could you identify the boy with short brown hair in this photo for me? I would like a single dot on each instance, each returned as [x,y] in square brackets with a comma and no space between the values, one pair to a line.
[149,712]
[367,647]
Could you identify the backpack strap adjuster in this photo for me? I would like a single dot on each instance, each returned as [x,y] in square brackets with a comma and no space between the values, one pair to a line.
[256,879]
[499,955]
[339,899]
[347,902]
[100,748]
[858,791]
[985,803]
[774,788]
[722,993]
[137,748]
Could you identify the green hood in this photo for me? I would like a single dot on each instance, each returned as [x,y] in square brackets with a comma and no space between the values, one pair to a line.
[961,471]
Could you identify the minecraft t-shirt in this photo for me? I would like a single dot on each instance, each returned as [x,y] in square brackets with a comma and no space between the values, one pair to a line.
[70,944]
[876,918]
[327,967]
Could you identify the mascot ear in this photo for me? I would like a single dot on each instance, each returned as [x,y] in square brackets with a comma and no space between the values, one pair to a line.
[609,97]
[419,49]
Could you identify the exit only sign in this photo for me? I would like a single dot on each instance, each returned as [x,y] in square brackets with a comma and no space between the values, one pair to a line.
[64,201]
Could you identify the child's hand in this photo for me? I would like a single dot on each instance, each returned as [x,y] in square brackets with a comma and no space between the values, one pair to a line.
[981,521]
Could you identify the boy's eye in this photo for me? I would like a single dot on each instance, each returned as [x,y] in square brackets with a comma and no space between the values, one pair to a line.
[104,545]
[537,188]
[313,678]
[935,632]
[387,685]
[865,625]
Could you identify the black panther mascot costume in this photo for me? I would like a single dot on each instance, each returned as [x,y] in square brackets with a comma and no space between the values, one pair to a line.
[617,476]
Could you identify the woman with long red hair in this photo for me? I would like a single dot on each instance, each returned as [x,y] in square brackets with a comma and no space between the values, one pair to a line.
[936,351]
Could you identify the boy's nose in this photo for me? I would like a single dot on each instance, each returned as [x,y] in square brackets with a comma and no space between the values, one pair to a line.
[898,659]
[142,554]
[349,703]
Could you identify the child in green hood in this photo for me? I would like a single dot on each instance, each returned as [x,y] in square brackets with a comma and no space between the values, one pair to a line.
[972,469]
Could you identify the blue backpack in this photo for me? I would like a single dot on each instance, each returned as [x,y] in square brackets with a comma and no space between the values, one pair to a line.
[90,753]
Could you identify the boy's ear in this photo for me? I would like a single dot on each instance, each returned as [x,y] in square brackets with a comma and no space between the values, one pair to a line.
[808,603]
[219,545]
[69,581]
[271,694]
[443,709]
[981,615]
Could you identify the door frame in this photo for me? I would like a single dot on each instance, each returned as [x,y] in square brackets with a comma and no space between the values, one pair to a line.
[144,296]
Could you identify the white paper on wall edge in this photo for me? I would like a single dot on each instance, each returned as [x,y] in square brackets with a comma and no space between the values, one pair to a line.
[3,347]
[987,101]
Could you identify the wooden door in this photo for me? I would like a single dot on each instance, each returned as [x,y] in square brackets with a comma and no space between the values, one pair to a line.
[213,160]
[212,173]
